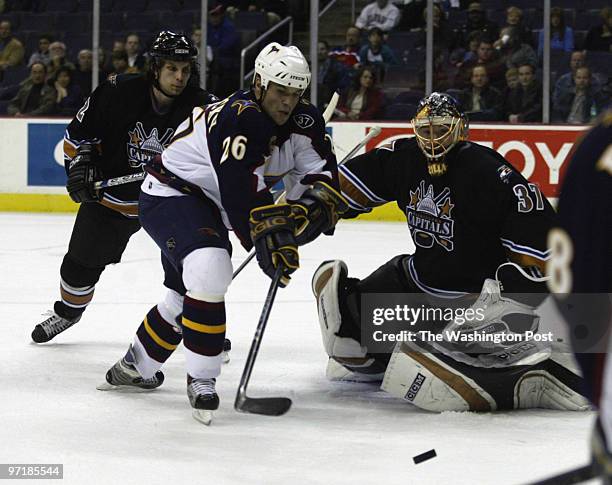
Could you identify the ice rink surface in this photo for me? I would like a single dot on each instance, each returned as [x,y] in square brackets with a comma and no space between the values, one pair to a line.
[51,412]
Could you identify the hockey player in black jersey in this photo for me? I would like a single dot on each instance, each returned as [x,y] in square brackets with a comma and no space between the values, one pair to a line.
[126,121]
[480,231]
[216,176]
[580,270]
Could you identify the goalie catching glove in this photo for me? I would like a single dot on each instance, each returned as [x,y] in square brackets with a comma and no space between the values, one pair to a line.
[82,174]
[272,232]
[317,211]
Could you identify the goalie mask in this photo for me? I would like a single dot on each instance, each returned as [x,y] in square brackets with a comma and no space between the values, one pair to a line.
[438,125]
[282,65]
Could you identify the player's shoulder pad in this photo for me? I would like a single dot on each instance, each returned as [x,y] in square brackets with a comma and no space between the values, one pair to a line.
[197,96]
[306,120]
[398,145]
[243,115]
[484,162]
[125,82]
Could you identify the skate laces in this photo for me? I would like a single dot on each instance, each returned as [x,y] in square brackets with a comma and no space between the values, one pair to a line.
[203,386]
[55,323]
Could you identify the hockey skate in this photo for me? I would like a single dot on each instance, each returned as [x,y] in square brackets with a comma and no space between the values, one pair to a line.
[203,398]
[124,375]
[52,326]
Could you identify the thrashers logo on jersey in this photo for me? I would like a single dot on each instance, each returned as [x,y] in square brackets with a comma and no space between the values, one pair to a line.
[429,217]
[142,147]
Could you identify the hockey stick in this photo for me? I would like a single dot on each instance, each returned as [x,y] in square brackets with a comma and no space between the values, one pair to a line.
[372,133]
[124,179]
[331,107]
[268,406]
[570,477]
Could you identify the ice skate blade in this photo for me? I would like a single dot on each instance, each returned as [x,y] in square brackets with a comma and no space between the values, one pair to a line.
[105,386]
[203,416]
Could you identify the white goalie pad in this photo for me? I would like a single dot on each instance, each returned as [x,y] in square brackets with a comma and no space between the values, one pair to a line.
[428,383]
[325,288]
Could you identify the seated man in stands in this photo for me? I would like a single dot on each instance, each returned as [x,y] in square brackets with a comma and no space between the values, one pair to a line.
[381,14]
[348,54]
[579,104]
[481,101]
[566,82]
[524,103]
[11,49]
[35,97]
[488,57]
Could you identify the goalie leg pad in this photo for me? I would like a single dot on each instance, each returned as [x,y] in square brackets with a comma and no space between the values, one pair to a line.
[325,286]
[425,381]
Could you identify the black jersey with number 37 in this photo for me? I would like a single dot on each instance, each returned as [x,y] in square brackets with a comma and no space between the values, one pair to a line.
[464,223]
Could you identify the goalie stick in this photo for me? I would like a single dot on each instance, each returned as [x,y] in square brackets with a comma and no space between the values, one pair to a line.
[577,475]
[268,406]
[374,132]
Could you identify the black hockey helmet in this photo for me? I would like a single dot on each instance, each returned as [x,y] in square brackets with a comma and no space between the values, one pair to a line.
[171,46]
[439,124]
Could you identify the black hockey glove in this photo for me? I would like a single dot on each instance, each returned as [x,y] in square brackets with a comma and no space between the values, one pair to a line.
[317,211]
[82,174]
[272,232]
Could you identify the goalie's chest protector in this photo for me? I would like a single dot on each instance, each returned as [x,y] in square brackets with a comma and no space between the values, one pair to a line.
[456,220]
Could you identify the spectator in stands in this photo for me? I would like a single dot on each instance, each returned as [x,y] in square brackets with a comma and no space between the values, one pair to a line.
[42,54]
[444,36]
[364,100]
[599,38]
[11,49]
[332,76]
[512,50]
[275,10]
[119,61]
[580,103]
[524,102]
[69,98]
[224,41]
[514,18]
[82,75]
[561,35]
[511,78]
[376,53]
[136,60]
[481,101]
[348,54]
[381,14]
[471,53]
[488,57]
[477,22]
[57,52]
[565,83]
[35,96]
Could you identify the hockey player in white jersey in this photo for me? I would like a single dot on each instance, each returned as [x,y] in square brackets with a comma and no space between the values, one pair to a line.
[214,177]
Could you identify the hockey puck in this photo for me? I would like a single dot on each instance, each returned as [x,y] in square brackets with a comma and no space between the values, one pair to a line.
[428,455]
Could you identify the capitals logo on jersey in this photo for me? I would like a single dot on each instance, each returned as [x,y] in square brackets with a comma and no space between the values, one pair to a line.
[143,146]
[429,217]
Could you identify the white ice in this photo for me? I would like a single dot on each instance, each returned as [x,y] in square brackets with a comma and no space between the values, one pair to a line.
[51,412]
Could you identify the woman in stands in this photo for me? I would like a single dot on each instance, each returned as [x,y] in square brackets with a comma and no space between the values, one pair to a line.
[69,97]
[363,100]
[561,35]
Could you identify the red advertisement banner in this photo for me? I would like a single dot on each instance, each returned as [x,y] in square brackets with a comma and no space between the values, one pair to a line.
[540,153]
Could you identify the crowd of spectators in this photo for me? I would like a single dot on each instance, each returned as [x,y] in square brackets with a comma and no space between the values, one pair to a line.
[489,57]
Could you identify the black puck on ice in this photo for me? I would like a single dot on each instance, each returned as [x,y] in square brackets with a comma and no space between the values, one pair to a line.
[428,455]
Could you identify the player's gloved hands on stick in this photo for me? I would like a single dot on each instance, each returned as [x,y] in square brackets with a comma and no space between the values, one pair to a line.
[82,174]
[317,211]
[272,232]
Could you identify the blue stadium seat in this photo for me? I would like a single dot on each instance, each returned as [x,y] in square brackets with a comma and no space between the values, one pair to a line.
[250,21]
[14,75]
[147,21]
[111,21]
[64,6]
[455,93]
[163,5]
[595,4]
[600,62]
[38,22]
[400,112]
[409,97]
[77,42]
[403,41]
[586,20]
[14,18]
[76,23]
[579,37]
[3,107]
[136,6]
[179,22]
[401,76]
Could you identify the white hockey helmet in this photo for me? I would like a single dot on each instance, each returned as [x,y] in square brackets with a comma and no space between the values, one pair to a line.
[286,66]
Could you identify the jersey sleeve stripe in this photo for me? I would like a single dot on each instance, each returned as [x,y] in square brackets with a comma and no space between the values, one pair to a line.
[357,191]
[518,248]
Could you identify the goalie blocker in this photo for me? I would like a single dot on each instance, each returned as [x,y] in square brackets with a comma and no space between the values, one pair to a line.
[442,378]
